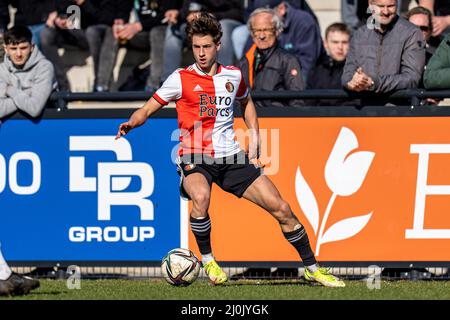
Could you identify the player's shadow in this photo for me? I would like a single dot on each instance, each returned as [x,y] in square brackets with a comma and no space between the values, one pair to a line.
[267,282]
[49,293]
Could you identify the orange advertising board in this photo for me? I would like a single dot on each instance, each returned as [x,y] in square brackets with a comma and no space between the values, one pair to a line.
[366,189]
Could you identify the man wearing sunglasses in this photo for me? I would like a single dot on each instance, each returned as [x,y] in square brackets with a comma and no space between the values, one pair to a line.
[423,18]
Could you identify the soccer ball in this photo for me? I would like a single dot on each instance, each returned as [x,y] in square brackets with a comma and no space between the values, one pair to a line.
[180,267]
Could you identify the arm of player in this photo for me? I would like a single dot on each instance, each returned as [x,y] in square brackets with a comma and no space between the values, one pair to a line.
[251,120]
[139,117]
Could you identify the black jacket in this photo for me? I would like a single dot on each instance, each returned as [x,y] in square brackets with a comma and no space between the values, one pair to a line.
[151,12]
[98,11]
[222,9]
[327,75]
[106,11]
[278,71]
[28,12]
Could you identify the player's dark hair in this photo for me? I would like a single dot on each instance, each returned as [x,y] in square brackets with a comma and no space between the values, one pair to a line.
[204,24]
[17,34]
[339,27]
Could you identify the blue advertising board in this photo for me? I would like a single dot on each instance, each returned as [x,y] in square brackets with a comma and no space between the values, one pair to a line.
[70,192]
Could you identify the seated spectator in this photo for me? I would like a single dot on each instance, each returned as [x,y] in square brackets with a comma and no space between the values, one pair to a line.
[99,35]
[437,72]
[241,34]
[266,66]
[423,18]
[301,35]
[32,14]
[26,77]
[441,19]
[62,32]
[230,15]
[328,72]
[384,58]
[146,34]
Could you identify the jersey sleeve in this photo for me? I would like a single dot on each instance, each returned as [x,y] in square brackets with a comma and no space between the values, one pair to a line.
[242,92]
[170,89]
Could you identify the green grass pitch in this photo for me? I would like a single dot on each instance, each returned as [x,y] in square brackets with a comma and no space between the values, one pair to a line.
[157,289]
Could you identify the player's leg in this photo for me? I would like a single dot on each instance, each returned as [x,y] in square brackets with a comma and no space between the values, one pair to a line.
[12,283]
[199,190]
[265,194]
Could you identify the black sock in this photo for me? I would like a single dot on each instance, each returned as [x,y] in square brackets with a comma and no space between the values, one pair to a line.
[299,239]
[201,228]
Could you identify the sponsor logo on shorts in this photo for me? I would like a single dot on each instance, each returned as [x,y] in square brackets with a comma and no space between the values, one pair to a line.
[189,167]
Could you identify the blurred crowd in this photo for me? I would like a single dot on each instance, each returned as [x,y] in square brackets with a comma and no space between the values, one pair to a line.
[278,44]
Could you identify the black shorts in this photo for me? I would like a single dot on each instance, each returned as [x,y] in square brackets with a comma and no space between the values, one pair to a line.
[233,174]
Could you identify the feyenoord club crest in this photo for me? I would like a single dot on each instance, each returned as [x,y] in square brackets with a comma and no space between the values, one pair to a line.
[229,86]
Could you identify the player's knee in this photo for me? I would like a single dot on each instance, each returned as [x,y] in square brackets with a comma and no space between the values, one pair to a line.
[284,212]
[200,199]
[285,209]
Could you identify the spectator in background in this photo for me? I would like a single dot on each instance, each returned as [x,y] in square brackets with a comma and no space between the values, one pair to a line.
[146,34]
[60,32]
[266,66]
[241,34]
[301,35]
[441,19]
[230,14]
[26,77]
[96,17]
[423,18]
[328,72]
[32,14]
[99,34]
[355,12]
[437,72]
[387,57]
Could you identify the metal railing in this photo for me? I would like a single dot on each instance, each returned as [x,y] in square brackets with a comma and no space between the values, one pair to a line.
[415,96]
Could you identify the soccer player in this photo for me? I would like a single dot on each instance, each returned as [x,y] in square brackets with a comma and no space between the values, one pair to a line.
[205,93]
[12,283]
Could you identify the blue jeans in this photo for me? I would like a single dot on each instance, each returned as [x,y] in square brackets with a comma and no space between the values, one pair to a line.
[239,38]
[36,31]
[151,41]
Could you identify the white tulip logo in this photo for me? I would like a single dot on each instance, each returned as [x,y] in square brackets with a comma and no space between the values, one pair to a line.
[344,174]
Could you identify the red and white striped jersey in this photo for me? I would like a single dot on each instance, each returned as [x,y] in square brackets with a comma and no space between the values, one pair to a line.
[205,108]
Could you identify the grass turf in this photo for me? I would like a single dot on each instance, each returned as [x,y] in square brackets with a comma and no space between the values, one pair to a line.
[236,290]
